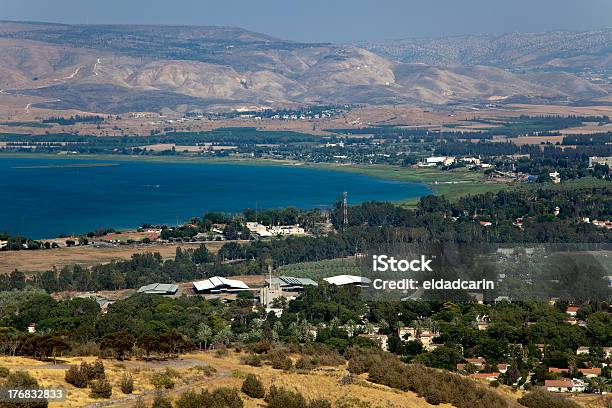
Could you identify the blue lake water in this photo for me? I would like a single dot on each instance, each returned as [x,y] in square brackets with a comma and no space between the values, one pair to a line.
[42,198]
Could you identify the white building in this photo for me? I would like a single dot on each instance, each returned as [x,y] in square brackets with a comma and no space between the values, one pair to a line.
[565,385]
[600,160]
[218,284]
[555,177]
[343,280]
[159,289]
[437,161]
[286,230]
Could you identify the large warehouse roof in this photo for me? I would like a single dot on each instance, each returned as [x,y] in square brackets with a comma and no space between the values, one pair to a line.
[341,280]
[291,281]
[159,289]
[217,283]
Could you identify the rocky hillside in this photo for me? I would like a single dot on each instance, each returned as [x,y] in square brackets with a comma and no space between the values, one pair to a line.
[553,50]
[147,68]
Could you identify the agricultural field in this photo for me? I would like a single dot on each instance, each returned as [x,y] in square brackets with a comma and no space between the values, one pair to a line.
[451,183]
[42,260]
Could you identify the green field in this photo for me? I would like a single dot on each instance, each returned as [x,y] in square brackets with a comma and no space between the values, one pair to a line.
[320,269]
[450,183]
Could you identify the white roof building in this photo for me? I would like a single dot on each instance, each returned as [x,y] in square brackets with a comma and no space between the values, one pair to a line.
[218,284]
[342,280]
[435,159]
[159,289]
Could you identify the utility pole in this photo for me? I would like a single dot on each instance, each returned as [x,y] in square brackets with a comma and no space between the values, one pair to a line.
[345,212]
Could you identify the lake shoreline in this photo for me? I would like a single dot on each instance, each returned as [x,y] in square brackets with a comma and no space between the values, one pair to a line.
[83,193]
[436,180]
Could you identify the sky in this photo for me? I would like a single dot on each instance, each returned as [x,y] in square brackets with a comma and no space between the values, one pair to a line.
[329,20]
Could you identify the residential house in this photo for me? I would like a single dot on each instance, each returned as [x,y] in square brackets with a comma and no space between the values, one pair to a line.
[572,310]
[590,372]
[485,376]
[565,385]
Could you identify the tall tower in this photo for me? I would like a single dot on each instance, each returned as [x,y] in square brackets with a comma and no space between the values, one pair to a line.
[345,212]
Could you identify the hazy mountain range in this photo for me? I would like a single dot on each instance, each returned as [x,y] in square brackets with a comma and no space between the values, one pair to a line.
[107,68]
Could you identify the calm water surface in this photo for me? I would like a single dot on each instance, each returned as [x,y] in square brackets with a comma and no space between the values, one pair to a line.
[42,198]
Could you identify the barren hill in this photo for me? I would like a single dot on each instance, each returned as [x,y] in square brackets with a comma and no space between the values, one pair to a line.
[116,69]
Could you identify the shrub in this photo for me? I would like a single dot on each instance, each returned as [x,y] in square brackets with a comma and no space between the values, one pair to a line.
[161,401]
[281,398]
[127,384]
[253,387]
[252,360]
[81,376]
[189,399]
[545,399]
[281,361]
[95,371]
[225,398]
[140,403]
[222,352]
[207,370]
[305,363]
[319,403]
[162,380]
[494,384]
[435,386]
[20,379]
[101,389]
[361,362]
[76,377]
[219,398]
[4,372]
[352,402]
[322,355]
[261,347]
[172,373]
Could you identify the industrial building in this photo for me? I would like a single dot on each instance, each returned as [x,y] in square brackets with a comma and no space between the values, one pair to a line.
[218,284]
[289,283]
[343,280]
[159,289]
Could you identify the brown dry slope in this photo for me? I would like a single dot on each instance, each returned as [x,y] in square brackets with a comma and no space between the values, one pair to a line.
[324,383]
[136,69]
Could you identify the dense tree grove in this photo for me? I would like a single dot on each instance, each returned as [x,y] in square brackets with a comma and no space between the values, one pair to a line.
[371,225]
[437,219]
[437,387]
[72,120]
[148,325]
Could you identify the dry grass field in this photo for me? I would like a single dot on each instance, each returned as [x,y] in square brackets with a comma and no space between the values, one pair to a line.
[188,374]
[322,383]
[42,260]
